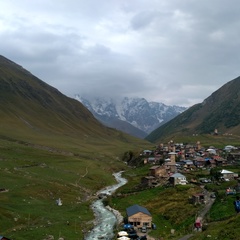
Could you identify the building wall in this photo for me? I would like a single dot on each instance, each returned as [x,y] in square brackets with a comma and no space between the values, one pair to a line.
[228,175]
[140,219]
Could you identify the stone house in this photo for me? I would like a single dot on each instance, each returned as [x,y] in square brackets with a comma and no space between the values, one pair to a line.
[227,174]
[170,167]
[149,181]
[198,198]
[219,161]
[212,163]
[199,162]
[188,164]
[157,171]
[233,157]
[172,156]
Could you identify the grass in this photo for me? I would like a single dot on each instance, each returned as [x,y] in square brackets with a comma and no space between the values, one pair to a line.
[35,176]
[50,148]
[226,206]
[35,180]
[171,209]
[218,141]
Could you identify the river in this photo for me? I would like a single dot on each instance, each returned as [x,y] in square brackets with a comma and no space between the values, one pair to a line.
[105,219]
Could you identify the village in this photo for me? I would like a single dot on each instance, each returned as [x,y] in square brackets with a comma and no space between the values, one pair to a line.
[171,161]
[168,165]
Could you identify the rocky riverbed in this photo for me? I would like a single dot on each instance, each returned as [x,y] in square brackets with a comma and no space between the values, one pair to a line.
[106,217]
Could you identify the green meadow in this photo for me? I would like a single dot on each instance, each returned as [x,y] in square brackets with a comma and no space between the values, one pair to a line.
[34,177]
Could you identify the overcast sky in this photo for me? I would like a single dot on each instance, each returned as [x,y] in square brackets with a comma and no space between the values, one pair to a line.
[173,51]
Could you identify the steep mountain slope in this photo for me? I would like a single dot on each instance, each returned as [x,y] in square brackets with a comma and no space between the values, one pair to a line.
[33,111]
[220,111]
[138,112]
[51,147]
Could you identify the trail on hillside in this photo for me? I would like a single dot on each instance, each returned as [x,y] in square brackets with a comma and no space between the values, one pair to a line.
[202,213]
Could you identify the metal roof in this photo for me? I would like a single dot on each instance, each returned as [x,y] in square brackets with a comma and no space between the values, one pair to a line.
[136,209]
[177,175]
[225,171]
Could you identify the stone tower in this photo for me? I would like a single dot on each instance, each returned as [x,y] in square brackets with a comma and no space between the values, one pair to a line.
[198,145]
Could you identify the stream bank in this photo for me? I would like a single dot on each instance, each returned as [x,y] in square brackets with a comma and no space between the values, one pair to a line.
[105,217]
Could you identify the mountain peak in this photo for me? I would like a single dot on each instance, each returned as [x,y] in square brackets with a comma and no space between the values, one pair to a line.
[144,115]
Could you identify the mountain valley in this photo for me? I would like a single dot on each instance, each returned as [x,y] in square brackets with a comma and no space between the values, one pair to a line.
[52,146]
[135,116]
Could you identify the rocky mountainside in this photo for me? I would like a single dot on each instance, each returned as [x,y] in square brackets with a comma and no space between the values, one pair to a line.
[131,114]
[217,114]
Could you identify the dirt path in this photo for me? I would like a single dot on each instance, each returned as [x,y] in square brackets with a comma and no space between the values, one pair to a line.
[204,211]
[207,207]
[186,237]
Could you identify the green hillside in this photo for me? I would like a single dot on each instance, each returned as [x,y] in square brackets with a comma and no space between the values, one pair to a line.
[50,147]
[219,111]
[33,111]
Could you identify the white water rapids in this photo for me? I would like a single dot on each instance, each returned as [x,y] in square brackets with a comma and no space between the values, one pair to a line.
[105,219]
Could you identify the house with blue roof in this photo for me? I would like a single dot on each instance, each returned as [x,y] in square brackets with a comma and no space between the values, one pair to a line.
[4,238]
[139,216]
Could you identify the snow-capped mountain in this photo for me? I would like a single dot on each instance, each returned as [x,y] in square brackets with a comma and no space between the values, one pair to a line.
[141,114]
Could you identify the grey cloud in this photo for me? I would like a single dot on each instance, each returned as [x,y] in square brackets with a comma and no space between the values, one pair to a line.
[177,52]
[143,19]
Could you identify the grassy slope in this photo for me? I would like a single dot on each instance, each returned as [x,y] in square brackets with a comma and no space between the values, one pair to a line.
[51,147]
[37,175]
[219,111]
[206,140]
[218,141]
[171,209]
[38,168]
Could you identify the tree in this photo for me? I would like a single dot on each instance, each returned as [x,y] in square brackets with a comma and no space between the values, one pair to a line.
[215,173]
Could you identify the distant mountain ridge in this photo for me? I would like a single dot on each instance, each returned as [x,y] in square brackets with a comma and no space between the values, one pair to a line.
[219,112]
[135,116]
